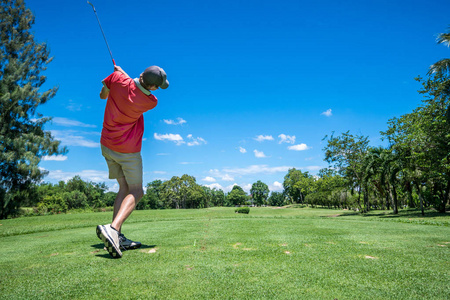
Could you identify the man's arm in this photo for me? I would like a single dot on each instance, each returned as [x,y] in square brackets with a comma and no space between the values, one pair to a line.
[104,93]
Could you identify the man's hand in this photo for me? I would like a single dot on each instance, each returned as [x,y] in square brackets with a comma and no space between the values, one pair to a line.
[119,69]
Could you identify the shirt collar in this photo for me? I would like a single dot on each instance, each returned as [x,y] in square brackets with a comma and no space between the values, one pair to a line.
[147,92]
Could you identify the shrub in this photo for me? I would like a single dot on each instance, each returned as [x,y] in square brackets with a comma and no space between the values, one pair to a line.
[242,210]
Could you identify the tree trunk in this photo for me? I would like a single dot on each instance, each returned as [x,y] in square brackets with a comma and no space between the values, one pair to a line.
[395,202]
[411,203]
[445,198]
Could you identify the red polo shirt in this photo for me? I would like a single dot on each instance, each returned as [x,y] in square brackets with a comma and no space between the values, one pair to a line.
[123,124]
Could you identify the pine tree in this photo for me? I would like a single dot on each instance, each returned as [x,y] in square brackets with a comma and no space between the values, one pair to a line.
[23,140]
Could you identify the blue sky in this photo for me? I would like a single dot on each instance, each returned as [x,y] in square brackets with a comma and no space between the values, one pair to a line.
[254,85]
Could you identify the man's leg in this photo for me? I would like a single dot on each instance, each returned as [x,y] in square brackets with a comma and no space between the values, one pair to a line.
[127,205]
[123,192]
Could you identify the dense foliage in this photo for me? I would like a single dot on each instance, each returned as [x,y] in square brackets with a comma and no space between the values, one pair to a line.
[23,142]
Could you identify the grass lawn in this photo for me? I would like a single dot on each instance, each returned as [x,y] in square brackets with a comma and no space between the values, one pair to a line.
[289,253]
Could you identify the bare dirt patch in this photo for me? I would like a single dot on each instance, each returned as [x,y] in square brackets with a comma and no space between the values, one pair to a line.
[153,250]
[333,216]
[236,246]
[370,257]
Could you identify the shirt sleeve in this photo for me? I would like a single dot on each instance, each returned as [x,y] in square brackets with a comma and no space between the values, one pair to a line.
[113,77]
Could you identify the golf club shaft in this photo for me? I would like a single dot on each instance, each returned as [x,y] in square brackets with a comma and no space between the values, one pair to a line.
[98,20]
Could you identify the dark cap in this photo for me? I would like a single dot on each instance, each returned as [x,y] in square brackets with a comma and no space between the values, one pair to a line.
[155,75]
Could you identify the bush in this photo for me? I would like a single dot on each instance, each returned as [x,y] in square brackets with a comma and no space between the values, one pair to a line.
[242,210]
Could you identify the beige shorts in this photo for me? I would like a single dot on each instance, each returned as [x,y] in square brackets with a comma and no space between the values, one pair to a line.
[128,165]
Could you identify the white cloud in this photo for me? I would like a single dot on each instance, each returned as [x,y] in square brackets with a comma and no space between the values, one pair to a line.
[70,123]
[73,138]
[228,189]
[261,138]
[242,150]
[250,170]
[176,138]
[215,186]
[286,139]
[313,168]
[179,121]
[259,154]
[227,177]
[299,147]
[74,106]
[247,187]
[327,113]
[209,179]
[160,172]
[276,187]
[54,158]
[87,175]
[195,141]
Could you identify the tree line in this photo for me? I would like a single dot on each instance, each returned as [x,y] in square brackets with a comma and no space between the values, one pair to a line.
[412,171]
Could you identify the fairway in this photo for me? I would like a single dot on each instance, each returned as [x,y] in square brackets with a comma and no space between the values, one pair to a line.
[288,253]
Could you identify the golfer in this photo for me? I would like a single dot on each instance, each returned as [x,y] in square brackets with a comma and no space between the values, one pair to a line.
[121,141]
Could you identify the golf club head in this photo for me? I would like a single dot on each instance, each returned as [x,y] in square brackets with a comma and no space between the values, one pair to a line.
[91,5]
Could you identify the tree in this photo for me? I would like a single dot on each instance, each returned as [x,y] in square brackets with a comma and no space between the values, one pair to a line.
[277,199]
[297,185]
[259,192]
[152,197]
[183,192]
[441,67]
[23,141]
[237,196]
[346,154]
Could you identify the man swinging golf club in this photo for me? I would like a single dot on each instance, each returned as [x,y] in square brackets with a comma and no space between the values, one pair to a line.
[121,141]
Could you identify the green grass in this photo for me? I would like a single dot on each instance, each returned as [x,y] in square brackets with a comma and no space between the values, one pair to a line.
[290,253]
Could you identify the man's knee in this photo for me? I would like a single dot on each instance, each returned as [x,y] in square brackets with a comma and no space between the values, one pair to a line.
[137,192]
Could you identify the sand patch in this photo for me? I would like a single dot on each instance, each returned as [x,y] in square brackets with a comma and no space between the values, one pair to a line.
[189,268]
[284,245]
[236,246]
[333,216]
[287,252]
[54,254]
[370,257]
[153,250]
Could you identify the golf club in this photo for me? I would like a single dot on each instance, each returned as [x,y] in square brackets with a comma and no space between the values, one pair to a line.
[95,12]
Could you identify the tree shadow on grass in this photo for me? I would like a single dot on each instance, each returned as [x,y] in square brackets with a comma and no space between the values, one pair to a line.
[404,213]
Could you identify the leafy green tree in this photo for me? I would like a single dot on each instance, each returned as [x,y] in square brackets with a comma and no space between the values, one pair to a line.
[442,67]
[260,193]
[237,196]
[218,197]
[346,153]
[422,140]
[152,197]
[183,192]
[277,199]
[297,185]
[23,141]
